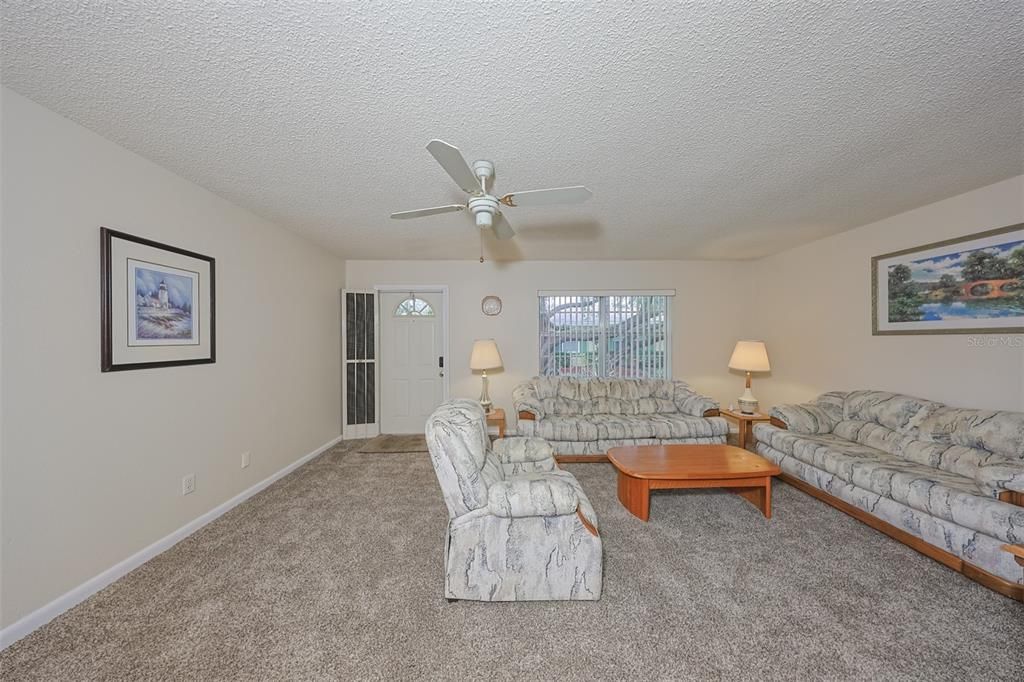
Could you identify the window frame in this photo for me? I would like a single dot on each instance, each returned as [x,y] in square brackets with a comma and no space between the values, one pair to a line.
[401,310]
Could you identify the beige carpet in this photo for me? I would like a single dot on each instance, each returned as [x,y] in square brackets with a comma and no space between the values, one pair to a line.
[334,572]
[395,443]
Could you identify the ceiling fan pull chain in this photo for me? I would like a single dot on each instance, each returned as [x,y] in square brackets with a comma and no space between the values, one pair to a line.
[481,232]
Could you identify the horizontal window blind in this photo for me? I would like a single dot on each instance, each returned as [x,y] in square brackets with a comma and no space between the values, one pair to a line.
[625,336]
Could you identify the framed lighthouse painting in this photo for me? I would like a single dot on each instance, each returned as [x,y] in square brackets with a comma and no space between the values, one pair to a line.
[157,304]
[969,285]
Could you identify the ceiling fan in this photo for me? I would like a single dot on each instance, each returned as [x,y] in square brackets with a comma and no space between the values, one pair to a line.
[484,206]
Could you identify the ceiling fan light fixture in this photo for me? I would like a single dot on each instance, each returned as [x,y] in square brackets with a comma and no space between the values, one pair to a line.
[483,209]
[476,182]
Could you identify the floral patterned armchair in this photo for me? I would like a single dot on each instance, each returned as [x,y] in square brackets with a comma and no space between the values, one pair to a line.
[519,527]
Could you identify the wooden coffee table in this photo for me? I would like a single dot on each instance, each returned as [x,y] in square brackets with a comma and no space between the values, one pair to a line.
[644,468]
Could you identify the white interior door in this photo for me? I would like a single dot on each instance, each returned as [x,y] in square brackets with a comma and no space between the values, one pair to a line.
[412,348]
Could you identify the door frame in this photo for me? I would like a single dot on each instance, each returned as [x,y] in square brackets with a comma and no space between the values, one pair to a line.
[441,289]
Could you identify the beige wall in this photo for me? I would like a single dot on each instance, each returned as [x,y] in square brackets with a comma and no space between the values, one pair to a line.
[92,463]
[814,312]
[706,319]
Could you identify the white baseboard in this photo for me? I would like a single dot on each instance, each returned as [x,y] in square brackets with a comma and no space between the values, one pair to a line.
[15,631]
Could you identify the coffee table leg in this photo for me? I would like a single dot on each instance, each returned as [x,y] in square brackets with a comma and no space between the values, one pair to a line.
[760,496]
[635,495]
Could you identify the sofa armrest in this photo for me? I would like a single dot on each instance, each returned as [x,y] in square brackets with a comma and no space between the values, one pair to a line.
[532,495]
[805,418]
[526,401]
[691,403]
[519,449]
[1001,476]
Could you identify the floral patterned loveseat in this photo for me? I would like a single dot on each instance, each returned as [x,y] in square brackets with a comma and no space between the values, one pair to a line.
[589,416]
[953,478]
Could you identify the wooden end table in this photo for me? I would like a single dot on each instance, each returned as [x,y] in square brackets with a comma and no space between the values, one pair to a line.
[644,468]
[496,417]
[745,422]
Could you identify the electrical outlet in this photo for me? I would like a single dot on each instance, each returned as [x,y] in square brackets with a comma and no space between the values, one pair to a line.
[245,459]
[188,484]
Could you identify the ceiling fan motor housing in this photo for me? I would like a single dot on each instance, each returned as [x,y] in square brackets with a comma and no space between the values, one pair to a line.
[485,171]
[483,208]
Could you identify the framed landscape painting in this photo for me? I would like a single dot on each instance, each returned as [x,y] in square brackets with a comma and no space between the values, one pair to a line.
[970,285]
[156,304]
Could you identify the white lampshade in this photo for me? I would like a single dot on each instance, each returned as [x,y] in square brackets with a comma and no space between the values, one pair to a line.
[750,356]
[485,355]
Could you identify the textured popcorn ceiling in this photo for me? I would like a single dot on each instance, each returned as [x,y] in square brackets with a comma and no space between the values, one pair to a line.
[706,129]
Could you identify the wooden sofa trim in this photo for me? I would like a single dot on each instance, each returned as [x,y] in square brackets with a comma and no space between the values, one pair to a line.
[578,459]
[1017,551]
[587,524]
[1013,497]
[978,575]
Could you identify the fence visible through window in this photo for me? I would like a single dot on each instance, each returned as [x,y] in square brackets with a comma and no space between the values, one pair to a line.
[624,336]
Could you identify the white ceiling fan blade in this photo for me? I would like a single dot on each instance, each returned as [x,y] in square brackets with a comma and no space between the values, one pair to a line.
[455,165]
[548,197]
[502,230]
[419,213]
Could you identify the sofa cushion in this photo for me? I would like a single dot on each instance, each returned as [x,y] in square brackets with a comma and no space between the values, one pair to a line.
[997,476]
[820,416]
[901,413]
[998,432]
[808,418]
[946,495]
[538,494]
[619,426]
[606,405]
[954,459]
[514,450]
[572,397]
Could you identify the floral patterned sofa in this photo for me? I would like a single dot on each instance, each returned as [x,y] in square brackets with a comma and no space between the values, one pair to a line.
[589,416]
[519,528]
[915,469]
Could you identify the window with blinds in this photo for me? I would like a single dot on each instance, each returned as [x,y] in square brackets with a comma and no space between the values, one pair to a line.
[623,336]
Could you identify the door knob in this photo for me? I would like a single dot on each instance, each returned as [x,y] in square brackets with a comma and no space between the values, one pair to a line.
[440,374]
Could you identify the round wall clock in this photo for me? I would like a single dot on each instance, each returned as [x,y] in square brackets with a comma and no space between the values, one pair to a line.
[491,305]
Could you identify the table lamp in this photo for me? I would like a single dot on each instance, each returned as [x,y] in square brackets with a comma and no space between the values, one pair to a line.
[749,356]
[485,356]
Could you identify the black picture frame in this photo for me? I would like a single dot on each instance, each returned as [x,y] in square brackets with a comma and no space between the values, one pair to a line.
[107,363]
